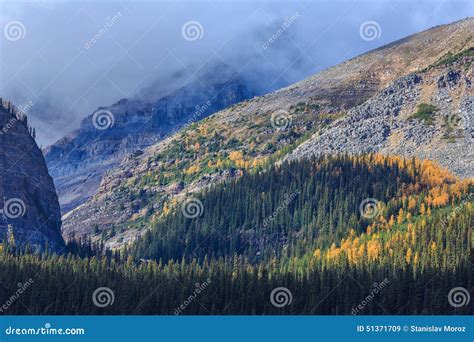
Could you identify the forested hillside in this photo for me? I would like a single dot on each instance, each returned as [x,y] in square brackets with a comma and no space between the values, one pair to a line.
[334,231]
[316,202]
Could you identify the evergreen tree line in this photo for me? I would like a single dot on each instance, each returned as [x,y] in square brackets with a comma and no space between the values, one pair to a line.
[297,225]
[66,285]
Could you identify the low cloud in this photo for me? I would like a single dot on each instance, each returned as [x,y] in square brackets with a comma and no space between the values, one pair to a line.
[143,54]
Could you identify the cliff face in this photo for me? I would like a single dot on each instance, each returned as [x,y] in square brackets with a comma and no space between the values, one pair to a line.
[28,202]
[78,162]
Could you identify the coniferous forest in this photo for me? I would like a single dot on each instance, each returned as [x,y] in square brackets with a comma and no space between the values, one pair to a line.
[364,235]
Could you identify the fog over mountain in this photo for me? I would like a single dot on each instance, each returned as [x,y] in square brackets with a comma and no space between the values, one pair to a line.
[105,51]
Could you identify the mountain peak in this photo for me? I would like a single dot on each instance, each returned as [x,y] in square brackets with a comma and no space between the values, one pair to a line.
[78,162]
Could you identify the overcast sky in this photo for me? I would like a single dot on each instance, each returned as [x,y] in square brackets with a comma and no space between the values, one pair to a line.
[67,58]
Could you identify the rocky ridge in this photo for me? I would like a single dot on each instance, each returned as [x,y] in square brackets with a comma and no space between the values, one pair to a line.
[29,208]
[78,162]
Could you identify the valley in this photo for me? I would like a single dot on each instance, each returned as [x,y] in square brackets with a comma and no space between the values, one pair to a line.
[347,193]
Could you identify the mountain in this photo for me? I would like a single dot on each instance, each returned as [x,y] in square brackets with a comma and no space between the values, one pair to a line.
[428,114]
[78,162]
[416,93]
[29,209]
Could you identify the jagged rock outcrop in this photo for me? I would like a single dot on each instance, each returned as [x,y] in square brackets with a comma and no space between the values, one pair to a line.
[78,162]
[29,205]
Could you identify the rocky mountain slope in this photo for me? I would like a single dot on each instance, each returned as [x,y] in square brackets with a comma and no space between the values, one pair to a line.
[428,114]
[78,162]
[29,208]
[400,79]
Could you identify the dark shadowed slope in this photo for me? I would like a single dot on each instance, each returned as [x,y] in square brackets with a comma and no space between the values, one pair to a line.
[28,202]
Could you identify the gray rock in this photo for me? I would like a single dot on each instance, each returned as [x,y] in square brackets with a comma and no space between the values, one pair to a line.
[29,205]
[78,162]
[377,124]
